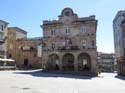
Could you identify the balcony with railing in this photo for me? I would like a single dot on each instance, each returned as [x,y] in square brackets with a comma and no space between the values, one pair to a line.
[68,48]
[1,41]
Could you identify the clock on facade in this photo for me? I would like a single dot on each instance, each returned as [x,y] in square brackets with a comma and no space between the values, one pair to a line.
[67,13]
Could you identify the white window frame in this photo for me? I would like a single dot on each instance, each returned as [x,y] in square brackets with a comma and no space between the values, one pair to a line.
[53,32]
[83,29]
[11,46]
[1,27]
[64,43]
[83,42]
[53,45]
[67,31]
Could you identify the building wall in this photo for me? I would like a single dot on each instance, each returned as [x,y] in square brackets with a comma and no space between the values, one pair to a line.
[106,62]
[118,34]
[16,41]
[13,34]
[28,49]
[3,31]
[119,41]
[80,39]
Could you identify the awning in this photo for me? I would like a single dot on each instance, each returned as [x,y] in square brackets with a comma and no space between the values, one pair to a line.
[10,60]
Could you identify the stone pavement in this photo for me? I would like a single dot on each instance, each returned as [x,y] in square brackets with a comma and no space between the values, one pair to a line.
[35,81]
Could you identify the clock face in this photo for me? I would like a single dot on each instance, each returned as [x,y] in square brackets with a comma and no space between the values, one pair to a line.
[67,13]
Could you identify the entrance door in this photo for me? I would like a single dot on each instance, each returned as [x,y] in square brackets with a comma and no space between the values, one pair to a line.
[84,62]
[68,62]
[26,62]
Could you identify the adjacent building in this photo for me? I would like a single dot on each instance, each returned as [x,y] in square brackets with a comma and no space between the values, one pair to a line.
[106,62]
[27,52]
[119,41]
[3,31]
[13,34]
[22,49]
[69,43]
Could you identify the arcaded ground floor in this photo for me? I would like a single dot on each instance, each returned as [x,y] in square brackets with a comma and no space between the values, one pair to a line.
[75,61]
[35,81]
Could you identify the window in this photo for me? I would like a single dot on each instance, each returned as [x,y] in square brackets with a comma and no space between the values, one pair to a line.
[11,46]
[64,43]
[67,30]
[1,27]
[53,45]
[83,29]
[35,55]
[53,32]
[1,36]
[10,55]
[84,62]
[93,43]
[83,43]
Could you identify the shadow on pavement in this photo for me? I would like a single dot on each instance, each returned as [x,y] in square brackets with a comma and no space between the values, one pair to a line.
[39,73]
[120,77]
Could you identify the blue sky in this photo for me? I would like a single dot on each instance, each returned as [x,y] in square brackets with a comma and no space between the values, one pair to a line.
[29,14]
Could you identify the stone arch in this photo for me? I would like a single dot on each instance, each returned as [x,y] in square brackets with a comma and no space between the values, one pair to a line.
[84,62]
[68,62]
[53,62]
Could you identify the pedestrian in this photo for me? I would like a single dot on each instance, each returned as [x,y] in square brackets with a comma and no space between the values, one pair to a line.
[99,69]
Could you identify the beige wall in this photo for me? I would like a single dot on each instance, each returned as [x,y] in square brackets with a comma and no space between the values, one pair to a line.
[13,34]
[30,54]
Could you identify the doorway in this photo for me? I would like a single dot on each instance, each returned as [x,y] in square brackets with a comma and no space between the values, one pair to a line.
[26,62]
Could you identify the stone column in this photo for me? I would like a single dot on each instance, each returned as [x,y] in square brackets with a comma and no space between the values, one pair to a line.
[60,64]
[45,62]
[76,64]
[94,65]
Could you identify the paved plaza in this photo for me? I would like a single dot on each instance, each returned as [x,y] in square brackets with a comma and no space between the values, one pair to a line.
[35,81]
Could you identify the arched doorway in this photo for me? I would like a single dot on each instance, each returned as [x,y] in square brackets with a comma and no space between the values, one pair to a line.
[84,62]
[26,62]
[68,62]
[53,62]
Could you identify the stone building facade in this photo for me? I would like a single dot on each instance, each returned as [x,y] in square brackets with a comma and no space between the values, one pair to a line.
[13,34]
[106,62]
[27,52]
[22,49]
[69,44]
[119,41]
